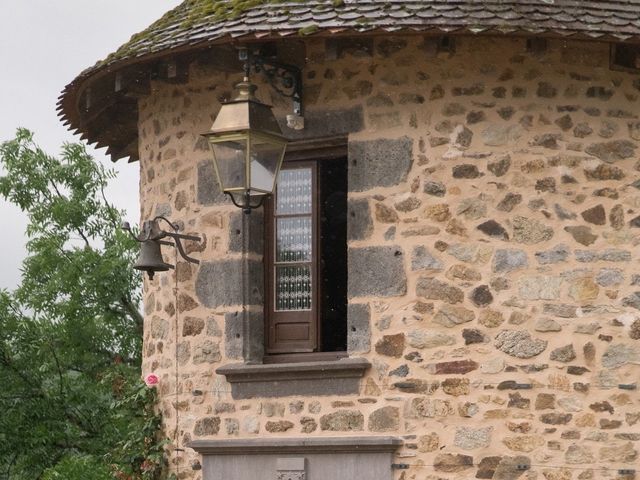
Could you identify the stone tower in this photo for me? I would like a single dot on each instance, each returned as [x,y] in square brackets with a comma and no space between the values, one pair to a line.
[452,248]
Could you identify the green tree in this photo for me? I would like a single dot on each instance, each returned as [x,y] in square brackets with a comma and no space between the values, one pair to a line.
[72,405]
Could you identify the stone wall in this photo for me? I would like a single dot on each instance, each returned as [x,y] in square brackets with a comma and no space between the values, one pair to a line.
[493,239]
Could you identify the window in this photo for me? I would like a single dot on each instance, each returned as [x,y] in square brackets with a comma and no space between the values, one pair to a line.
[306,259]
[446,44]
[537,46]
[625,57]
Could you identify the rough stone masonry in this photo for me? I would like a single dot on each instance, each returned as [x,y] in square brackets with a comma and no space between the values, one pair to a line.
[494,209]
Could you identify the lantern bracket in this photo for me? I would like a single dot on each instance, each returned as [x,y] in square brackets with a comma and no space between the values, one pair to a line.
[246,204]
[284,78]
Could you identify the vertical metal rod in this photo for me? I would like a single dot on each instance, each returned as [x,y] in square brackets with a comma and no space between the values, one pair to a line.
[245,55]
[176,339]
[247,199]
[246,287]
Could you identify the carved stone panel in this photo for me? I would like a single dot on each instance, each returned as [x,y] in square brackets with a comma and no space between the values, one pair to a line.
[291,468]
[291,476]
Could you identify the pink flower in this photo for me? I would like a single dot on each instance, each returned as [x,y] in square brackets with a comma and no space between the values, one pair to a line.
[151,379]
[147,466]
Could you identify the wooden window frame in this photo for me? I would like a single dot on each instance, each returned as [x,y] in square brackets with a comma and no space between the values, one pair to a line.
[303,152]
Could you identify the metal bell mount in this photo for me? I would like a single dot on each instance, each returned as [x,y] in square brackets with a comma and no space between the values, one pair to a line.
[151,237]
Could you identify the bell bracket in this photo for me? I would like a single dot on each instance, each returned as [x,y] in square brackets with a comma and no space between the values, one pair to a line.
[151,232]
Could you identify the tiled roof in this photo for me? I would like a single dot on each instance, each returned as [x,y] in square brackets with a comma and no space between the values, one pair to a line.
[198,23]
[188,24]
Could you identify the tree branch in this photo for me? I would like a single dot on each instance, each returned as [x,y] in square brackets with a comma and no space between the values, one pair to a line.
[133,313]
[60,377]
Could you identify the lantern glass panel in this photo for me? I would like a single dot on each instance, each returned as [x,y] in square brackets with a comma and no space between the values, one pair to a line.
[229,156]
[266,157]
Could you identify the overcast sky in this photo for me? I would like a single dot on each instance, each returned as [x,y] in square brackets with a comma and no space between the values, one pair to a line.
[44,44]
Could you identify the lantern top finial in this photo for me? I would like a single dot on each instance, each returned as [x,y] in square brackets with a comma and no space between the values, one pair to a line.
[245,92]
[245,114]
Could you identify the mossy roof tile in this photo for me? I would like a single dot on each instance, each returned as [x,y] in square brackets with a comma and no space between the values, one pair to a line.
[235,18]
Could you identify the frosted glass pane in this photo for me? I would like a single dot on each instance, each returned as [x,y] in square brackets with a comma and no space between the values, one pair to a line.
[264,161]
[230,159]
[293,288]
[293,239]
[294,194]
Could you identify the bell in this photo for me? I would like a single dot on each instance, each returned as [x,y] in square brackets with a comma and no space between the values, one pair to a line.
[150,259]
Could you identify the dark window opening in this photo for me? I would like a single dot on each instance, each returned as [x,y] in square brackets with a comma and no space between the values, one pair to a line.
[536,45]
[446,44]
[333,255]
[625,57]
[436,45]
[306,259]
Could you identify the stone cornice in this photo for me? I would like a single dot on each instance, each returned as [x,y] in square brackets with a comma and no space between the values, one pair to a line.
[328,445]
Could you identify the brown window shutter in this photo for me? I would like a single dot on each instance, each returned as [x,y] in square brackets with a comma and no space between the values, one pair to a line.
[291,258]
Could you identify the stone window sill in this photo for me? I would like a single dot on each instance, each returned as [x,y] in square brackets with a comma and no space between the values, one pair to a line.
[338,377]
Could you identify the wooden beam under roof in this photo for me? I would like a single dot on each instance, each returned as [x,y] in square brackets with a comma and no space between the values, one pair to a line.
[133,81]
[130,150]
[116,122]
[172,70]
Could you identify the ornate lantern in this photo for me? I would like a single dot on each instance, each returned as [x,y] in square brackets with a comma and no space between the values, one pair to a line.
[248,148]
